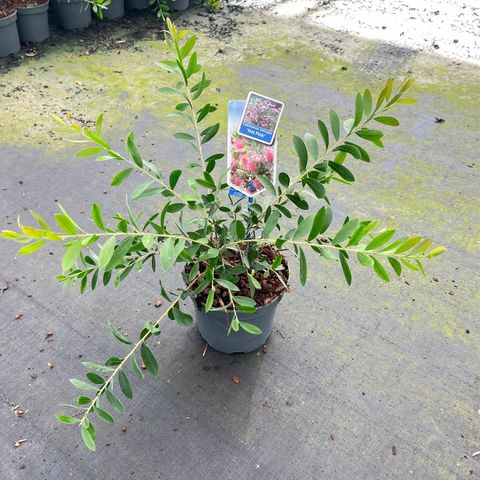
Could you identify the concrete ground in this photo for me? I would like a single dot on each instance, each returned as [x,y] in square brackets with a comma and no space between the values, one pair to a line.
[375,381]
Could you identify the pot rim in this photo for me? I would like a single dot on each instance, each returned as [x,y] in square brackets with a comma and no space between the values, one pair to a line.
[9,17]
[43,7]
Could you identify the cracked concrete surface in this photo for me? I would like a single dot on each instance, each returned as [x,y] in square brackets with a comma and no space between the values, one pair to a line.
[351,375]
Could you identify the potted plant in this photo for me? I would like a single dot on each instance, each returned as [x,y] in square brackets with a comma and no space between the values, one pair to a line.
[178,5]
[9,39]
[32,20]
[236,260]
[72,14]
[115,10]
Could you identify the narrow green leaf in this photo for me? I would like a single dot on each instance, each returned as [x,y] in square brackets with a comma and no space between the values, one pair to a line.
[105,416]
[396,265]
[250,328]
[303,267]
[133,150]
[210,298]
[304,228]
[182,318]
[345,232]
[312,146]
[167,251]
[391,121]
[121,176]
[32,247]
[149,359]
[324,133]
[124,383]
[87,439]
[342,170]
[106,252]
[245,301]
[267,184]
[95,378]
[119,336]
[97,216]
[174,176]
[227,284]
[70,256]
[334,123]
[80,384]
[345,267]
[364,259]
[271,223]
[318,224]
[302,153]
[358,110]
[380,270]
[114,401]
[67,419]
[380,240]
[367,102]
[65,224]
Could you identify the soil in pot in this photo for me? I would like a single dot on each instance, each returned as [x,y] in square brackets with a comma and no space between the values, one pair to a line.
[214,325]
[136,4]
[32,20]
[114,11]
[72,14]
[9,39]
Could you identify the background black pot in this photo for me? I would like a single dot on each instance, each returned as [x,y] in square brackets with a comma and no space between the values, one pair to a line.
[72,14]
[33,23]
[136,4]
[178,5]
[115,10]
[9,40]
[213,327]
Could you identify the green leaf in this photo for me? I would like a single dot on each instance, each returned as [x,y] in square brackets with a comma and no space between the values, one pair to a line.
[174,176]
[149,359]
[364,259]
[89,152]
[271,223]
[303,267]
[95,378]
[343,171]
[184,136]
[345,232]
[240,230]
[67,419]
[267,184]
[167,254]
[32,247]
[182,318]
[345,267]
[312,146]
[245,301]
[87,439]
[250,328]
[358,109]
[106,252]
[119,336]
[82,385]
[65,223]
[380,270]
[187,46]
[135,368]
[410,243]
[396,265]
[435,251]
[121,176]
[277,262]
[209,133]
[143,191]
[133,150]
[97,216]
[70,256]
[227,284]
[304,228]
[114,401]
[367,102]
[317,188]
[393,122]
[284,179]
[334,123]
[124,383]
[210,298]
[324,133]
[105,416]
[319,222]
[380,240]
[302,153]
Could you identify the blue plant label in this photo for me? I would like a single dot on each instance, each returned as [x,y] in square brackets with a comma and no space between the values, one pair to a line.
[260,118]
[247,159]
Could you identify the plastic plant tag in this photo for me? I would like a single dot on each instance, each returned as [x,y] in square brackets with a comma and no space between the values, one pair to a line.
[260,118]
[247,158]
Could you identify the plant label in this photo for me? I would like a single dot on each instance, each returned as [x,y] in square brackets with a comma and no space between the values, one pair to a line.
[247,158]
[260,118]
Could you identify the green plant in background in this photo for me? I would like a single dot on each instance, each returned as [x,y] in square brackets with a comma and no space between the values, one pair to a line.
[98,6]
[213,5]
[210,232]
[160,8]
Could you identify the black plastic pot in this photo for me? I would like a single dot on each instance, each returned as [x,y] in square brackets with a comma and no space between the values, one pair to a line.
[213,327]
[9,40]
[115,10]
[33,23]
[72,14]
[178,5]
[136,4]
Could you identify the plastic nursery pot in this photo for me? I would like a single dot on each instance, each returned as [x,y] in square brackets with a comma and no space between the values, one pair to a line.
[9,39]
[136,4]
[213,327]
[33,23]
[115,10]
[72,14]
[178,5]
